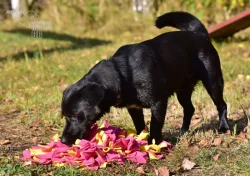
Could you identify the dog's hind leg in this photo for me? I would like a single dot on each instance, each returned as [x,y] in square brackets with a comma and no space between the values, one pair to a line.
[138,118]
[214,84]
[184,98]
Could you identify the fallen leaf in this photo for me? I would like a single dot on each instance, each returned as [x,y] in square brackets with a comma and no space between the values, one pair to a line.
[203,142]
[61,66]
[50,174]
[27,163]
[242,135]
[156,172]
[163,171]
[185,142]
[187,165]
[4,142]
[35,88]
[245,130]
[216,142]
[240,76]
[35,124]
[248,77]
[140,170]
[216,157]
[194,149]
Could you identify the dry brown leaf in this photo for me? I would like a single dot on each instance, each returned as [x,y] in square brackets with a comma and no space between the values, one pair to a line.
[243,135]
[244,130]
[194,149]
[216,142]
[156,172]
[27,163]
[163,171]
[4,142]
[248,77]
[140,170]
[50,174]
[187,165]
[216,157]
[204,143]
[240,76]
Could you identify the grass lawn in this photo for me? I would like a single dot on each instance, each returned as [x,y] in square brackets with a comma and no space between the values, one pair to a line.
[34,72]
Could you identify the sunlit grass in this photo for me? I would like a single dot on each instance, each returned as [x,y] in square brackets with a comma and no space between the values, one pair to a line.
[32,80]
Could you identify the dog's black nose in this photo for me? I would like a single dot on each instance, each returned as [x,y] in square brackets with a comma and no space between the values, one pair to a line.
[67,141]
[64,140]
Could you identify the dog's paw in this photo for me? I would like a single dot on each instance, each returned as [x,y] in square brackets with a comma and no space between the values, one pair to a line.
[183,131]
[223,128]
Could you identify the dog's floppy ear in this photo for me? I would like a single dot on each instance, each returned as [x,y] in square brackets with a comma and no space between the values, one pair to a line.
[93,93]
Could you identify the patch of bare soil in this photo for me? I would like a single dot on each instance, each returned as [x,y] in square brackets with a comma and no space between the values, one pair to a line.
[16,136]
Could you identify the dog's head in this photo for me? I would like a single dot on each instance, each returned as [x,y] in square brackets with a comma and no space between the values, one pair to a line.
[81,108]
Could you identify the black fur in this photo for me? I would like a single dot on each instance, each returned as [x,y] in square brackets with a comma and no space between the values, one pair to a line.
[145,75]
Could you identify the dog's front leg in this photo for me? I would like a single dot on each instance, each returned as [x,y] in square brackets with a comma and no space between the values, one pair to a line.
[138,118]
[157,120]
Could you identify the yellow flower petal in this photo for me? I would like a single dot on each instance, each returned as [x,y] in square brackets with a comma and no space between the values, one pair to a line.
[77,141]
[131,132]
[103,165]
[36,152]
[101,137]
[106,149]
[81,167]
[121,136]
[143,148]
[72,152]
[111,143]
[36,159]
[58,164]
[45,146]
[152,156]
[142,136]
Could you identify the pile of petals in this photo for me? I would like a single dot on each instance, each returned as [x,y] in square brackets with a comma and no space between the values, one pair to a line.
[106,144]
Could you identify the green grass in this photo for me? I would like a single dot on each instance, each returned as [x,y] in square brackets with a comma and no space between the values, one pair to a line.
[34,73]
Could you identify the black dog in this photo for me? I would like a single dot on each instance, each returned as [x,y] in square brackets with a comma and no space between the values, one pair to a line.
[145,75]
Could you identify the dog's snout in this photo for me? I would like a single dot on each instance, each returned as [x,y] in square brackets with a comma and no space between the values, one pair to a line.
[64,140]
[67,140]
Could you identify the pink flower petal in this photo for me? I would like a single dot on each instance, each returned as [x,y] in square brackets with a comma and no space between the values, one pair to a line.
[105,144]
[115,157]
[138,157]
[26,155]
[89,161]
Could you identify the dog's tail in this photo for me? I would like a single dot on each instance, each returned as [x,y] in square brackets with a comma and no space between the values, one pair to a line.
[183,21]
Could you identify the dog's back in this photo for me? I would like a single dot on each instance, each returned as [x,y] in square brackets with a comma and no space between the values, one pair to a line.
[170,61]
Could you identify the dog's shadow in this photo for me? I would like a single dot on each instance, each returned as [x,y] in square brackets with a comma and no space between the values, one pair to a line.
[236,126]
